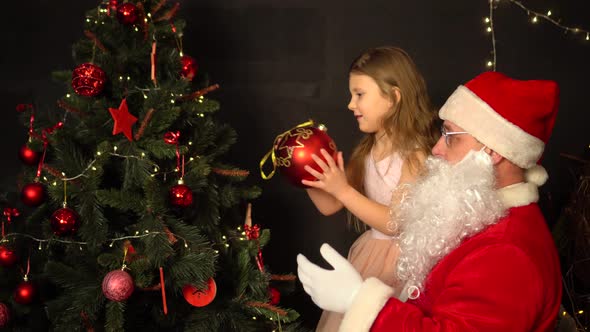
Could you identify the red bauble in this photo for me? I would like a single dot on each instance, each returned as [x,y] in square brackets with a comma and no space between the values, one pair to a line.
[4,315]
[181,195]
[127,13]
[64,222]
[7,256]
[28,156]
[189,67]
[88,80]
[25,292]
[293,151]
[117,285]
[200,298]
[33,194]
[275,296]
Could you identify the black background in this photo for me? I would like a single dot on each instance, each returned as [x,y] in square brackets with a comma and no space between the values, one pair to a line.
[282,62]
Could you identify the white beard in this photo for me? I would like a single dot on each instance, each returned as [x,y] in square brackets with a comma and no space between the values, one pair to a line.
[451,203]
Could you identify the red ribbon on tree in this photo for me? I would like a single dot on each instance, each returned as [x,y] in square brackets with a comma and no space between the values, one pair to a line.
[172,138]
[44,132]
[9,213]
[253,233]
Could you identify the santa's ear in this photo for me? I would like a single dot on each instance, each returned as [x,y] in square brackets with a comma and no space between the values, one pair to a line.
[496,157]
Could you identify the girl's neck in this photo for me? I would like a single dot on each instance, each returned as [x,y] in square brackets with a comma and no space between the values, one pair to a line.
[382,146]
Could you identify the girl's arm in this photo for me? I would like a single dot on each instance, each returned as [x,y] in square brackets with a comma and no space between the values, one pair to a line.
[333,181]
[324,202]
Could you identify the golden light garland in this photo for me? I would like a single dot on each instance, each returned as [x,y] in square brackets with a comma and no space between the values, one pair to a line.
[536,16]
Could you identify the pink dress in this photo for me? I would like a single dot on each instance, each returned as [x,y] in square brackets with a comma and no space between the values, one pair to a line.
[373,254]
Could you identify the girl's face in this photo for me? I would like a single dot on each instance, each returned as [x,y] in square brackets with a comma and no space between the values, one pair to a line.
[368,103]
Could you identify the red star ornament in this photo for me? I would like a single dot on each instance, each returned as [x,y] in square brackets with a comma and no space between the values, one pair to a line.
[123,120]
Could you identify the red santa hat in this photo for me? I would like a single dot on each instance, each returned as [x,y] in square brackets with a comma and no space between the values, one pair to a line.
[512,117]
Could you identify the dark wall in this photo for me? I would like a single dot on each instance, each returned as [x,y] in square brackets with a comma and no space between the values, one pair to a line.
[281,62]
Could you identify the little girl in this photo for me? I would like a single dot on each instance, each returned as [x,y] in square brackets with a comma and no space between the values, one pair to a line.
[391,104]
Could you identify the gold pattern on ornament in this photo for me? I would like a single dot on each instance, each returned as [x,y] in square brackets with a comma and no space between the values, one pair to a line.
[300,133]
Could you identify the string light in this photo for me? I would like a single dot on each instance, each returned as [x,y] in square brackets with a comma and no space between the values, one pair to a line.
[536,16]
[112,241]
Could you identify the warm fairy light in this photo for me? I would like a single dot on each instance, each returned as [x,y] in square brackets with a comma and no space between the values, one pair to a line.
[68,95]
[136,29]
[146,231]
[171,101]
[143,154]
[88,20]
[190,142]
[54,183]
[45,178]
[93,168]
[128,78]
[227,245]
[534,17]
[63,174]
[191,159]
[180,53]
[120,78]
[40,247]
[136,232]
[580,312]
[144,96]
[254,317]
[224,237]
[115,148]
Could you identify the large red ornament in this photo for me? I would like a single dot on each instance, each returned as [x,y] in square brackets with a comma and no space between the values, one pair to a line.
[25,292]
[28,156]
[293,149]
[189,67]
[181,195]
[274,295]
[33,194]
[200,298]
[127,13]
[88,80]
[4,315]
[7,256]
[117,285]
[64,222]
[123,120]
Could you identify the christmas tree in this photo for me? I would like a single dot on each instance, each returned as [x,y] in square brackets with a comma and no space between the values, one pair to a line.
[128,216]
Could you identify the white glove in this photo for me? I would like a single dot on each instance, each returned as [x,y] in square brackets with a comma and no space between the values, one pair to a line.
[332,290]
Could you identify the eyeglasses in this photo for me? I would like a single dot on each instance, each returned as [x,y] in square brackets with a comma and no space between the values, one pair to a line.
[448,134]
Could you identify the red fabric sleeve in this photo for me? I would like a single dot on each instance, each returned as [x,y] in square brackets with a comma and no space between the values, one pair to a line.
[497,288]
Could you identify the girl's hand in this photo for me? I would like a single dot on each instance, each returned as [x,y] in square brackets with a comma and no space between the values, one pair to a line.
[332,179]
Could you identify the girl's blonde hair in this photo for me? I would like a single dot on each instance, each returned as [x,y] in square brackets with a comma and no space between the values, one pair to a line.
[409,125]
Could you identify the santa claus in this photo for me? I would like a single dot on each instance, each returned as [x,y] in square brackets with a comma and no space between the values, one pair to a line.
[476,253]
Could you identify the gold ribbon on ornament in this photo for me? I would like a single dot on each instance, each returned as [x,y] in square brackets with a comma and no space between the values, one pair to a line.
[271,153]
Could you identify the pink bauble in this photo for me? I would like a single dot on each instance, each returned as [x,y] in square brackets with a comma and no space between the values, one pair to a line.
[117,285]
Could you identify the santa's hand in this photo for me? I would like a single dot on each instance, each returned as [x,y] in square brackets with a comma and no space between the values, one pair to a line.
[332,290]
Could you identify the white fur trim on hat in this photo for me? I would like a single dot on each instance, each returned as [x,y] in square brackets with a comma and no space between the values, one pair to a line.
[468,111]
[369,300]
[519,194]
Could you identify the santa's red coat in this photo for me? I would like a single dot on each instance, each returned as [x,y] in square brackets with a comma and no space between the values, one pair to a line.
[506,278]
